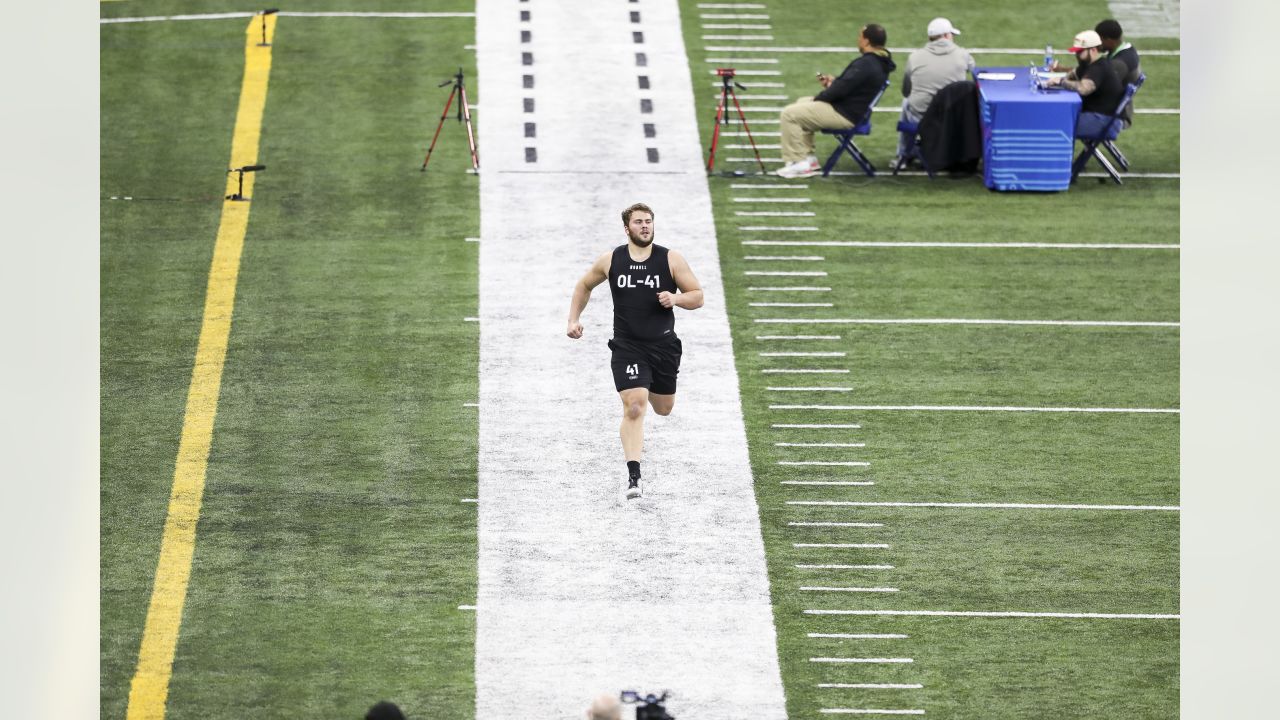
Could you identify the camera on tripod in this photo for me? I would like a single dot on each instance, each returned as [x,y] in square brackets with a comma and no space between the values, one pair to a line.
[726,72]
[648,707]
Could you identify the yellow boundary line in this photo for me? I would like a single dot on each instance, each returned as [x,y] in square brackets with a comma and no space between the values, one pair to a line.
[150,687]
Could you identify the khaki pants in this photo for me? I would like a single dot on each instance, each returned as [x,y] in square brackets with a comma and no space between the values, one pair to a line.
[800,120]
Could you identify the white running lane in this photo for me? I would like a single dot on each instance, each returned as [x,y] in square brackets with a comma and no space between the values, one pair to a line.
[580,591]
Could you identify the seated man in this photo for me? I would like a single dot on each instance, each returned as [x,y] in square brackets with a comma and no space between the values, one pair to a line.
[1099,87]
[840,106]
[1123,56]
[928,70]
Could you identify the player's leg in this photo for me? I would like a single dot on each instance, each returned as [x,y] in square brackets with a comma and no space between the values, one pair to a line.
[634,406]
[631,377]
[662,404]
[634,402]
[666,366]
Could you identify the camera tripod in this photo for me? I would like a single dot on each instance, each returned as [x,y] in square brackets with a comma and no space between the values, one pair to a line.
[464,114]
[727,84]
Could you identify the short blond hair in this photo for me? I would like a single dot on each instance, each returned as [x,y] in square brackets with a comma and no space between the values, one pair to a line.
[626,214]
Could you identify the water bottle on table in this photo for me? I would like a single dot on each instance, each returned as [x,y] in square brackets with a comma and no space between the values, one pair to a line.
[1048,58]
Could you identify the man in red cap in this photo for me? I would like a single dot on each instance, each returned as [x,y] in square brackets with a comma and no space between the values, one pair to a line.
[1099,87]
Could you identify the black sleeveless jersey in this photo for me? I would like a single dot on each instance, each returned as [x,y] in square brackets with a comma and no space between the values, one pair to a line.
[637,314]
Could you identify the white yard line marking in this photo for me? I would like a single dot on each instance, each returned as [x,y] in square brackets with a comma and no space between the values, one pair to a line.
[780,213]
[860,660]
[849,589]
[758,146]
[768,73]
[834,524]
[1002,614]
[841,483]
[540,555]
[869,711]
[990,245]
[230,15]
[797,337]
[737,37]
[809,389]
[753,186]
[1166,176]
[161,18]
[291,13]
[470,404]
[770,200]
[842,546]
[799,258]
[735,26]
[873,686]
[794,288]
[857,636]
[787,444]
[764,304]
[1015,506]
[844,567]
[730,6]
[475,240]
[785,273]
[802,354]
[965,321]
[853,50]
[469,500]
[471,319]
[715,16]
[805,371]
[977,408]
[825,463]
[466,607]
[812,426]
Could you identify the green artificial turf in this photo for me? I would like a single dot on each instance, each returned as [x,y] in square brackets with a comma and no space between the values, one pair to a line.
[333,550]
[1035,560]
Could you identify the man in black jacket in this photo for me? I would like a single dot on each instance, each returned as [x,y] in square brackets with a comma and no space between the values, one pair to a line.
[841,105]
[1123,56]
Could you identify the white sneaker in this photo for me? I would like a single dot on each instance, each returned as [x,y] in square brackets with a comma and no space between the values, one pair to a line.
[633,488]
[799,169]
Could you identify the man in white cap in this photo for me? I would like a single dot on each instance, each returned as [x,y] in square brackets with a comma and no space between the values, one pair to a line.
[929,69]
[1099,87]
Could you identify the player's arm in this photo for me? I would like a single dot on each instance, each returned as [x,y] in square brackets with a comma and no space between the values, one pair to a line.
[690,296]
[596,274]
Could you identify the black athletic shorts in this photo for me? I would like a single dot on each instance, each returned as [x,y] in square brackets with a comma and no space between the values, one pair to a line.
[647,365]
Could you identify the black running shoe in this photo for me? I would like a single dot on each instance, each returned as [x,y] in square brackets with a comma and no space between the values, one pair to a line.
[633,488]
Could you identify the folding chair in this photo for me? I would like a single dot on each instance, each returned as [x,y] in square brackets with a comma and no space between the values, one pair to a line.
[845,140]
[912,129]
[1106,137]
[1121,160]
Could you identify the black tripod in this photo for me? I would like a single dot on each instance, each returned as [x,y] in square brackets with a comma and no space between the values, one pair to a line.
[727,84]
[464,114]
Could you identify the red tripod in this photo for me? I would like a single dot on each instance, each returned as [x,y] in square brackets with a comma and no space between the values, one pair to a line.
[727,83]
[464,114]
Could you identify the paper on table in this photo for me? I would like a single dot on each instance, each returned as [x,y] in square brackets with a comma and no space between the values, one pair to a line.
[995,76]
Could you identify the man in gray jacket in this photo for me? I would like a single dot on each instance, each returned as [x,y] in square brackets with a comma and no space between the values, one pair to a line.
[928,70]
